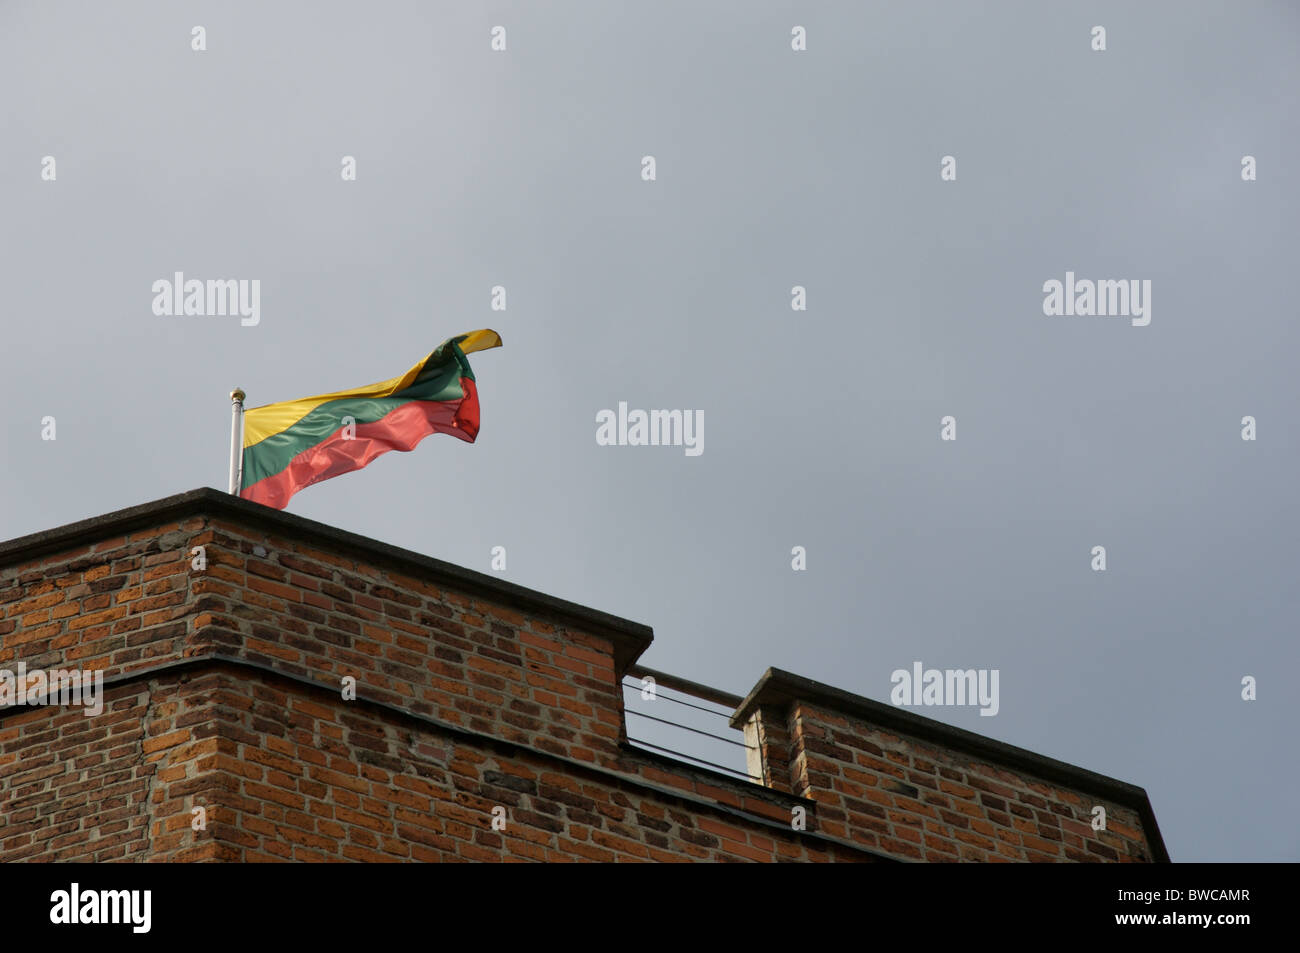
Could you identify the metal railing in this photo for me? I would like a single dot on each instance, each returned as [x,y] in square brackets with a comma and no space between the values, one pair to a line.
[679,739]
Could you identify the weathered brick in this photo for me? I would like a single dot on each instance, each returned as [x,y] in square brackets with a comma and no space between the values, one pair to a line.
[287,771]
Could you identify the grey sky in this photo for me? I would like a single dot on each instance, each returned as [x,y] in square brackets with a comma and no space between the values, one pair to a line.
[775,169]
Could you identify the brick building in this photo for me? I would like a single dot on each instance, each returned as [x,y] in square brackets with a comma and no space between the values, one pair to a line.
[227,731]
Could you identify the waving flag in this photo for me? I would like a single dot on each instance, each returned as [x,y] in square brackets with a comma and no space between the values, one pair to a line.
[291,445]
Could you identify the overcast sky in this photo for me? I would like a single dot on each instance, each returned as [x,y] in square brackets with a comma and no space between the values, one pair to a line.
[774,168]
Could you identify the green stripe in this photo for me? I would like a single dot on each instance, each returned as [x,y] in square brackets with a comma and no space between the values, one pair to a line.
[438,380]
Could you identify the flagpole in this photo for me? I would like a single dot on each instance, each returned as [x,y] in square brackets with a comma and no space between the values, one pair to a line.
[236,440]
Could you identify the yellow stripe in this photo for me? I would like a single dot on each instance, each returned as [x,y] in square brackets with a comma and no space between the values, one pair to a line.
[270,419]
[480,341]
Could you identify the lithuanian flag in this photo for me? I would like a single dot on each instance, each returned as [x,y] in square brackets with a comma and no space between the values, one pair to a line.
[291,445]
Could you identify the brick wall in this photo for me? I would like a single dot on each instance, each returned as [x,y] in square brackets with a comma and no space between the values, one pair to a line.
[227,692]
[917,800]
[112,787]
[318,778]
[907,786]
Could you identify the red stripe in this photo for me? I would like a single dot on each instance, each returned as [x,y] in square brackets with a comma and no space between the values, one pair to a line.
[400,429]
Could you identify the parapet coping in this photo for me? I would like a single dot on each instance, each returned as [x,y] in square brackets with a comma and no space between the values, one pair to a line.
[782,689]
[629,638]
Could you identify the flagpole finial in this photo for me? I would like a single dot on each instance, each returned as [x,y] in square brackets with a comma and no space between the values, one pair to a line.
[237,394]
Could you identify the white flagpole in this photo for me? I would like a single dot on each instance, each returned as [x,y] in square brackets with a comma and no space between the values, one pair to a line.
[236,440]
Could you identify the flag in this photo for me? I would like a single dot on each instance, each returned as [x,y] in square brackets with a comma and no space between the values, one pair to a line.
[291,445]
